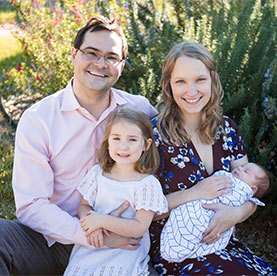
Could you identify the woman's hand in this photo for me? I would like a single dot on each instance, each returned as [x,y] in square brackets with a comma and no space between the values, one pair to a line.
[224,218]
[208,188]
[212,187]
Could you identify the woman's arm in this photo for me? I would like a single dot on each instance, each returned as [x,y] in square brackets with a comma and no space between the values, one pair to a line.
[239,162]
[126,227]
[226,217]
[207,188]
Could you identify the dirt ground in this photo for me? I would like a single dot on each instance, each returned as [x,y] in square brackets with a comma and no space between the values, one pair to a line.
[260,235]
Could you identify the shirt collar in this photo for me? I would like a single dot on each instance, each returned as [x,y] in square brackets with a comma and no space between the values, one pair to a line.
[70,102]
[116,98]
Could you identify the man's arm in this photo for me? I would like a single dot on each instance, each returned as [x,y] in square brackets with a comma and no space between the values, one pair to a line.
[33,185]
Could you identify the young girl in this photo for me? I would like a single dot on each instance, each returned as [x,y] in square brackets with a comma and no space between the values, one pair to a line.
[127,158]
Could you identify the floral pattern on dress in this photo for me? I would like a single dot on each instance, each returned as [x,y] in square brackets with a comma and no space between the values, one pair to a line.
[181,168]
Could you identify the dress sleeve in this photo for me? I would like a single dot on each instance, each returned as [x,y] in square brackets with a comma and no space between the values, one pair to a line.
[233,140]
[88,185]
[149,196]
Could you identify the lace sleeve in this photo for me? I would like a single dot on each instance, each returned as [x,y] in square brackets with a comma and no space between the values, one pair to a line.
[88,185]
[150,196]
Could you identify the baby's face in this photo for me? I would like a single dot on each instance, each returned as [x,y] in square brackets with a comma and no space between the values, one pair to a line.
[248,173]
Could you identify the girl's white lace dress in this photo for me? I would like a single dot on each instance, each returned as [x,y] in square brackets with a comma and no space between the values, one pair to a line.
[105,195]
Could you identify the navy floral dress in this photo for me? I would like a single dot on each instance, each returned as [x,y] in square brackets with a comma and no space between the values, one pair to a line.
[181,168]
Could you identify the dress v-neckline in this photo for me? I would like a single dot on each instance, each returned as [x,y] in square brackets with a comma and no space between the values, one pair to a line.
[200,159]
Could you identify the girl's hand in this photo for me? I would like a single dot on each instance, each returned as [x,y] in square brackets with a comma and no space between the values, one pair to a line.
[224,218]
[96,238]
[91,222]
[212,187]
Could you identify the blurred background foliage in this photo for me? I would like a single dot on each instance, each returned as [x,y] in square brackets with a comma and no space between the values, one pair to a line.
[241,35]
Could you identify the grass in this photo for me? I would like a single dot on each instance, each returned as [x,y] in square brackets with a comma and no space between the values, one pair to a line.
[7,13]
[9,46]
[10,56]
[7,16]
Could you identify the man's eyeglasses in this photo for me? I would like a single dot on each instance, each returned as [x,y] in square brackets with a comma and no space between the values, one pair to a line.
[93,56]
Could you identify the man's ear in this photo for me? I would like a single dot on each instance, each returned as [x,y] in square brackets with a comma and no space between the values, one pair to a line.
[73,54]
[122,64]
[148,143]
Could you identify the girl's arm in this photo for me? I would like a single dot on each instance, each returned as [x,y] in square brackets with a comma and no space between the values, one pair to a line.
[84,208]
[126,227]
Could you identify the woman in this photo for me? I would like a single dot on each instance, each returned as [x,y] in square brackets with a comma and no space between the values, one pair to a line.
[195,140]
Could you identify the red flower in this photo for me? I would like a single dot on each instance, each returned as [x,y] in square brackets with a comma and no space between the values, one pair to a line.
[38,77]
[78,20]
[76,12]
[56,22]
[19,67]
[35,2]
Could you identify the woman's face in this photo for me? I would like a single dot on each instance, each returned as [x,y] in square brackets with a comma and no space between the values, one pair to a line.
[191,85]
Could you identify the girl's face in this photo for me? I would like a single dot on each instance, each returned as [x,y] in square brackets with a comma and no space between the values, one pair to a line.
[191,85]
[126,143]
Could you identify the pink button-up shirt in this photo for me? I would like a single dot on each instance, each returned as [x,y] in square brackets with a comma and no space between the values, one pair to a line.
[55,146]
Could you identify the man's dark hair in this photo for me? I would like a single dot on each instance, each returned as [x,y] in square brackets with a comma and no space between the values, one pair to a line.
[99,23]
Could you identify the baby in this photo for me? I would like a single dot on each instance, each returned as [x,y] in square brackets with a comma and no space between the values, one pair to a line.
[182,233]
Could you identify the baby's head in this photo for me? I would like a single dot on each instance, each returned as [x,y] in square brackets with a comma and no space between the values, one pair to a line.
[255,176]
[132,130]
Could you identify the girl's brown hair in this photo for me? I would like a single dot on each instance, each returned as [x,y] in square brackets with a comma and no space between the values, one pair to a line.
[170,120]
[149,160]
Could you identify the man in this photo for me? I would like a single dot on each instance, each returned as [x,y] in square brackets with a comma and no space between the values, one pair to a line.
[55,146]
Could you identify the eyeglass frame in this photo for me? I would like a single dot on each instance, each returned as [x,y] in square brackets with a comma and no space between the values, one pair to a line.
[98,56]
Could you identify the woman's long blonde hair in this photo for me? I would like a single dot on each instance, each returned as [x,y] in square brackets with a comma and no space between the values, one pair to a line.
[170,121]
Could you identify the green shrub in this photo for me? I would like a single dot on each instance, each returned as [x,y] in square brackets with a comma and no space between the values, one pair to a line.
[7,208]
[241,36]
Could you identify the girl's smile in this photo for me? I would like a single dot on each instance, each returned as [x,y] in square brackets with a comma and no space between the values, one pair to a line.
[126,143]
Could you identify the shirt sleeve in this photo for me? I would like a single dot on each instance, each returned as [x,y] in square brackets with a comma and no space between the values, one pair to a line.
[149,196]
[33,185]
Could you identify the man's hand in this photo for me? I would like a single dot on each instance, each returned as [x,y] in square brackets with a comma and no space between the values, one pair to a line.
[116,241]
[96,238]
[113,240]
